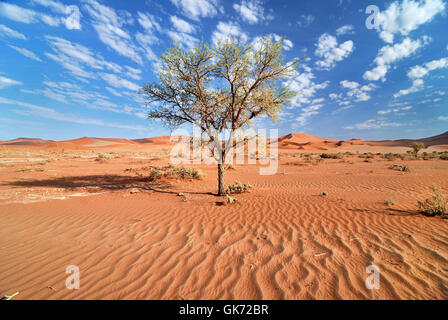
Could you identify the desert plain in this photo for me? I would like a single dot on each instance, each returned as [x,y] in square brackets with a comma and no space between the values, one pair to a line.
[307,232]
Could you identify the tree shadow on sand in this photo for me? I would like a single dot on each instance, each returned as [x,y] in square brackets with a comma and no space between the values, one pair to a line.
[93,183]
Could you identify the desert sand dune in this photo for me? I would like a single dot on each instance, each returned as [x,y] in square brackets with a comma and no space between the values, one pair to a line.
[283,240]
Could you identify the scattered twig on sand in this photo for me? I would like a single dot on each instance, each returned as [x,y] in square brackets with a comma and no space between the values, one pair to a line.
[9,297]
[320,254]
[51,288]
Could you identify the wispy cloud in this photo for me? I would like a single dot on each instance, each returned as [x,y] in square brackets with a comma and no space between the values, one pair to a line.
[181,25]
[252,11]
[27,53]
[6,82]
[70,18]
[76,57]
[52,114]
[373,124]
[109,27]
[225,30]
[347,29]
[8,32]
[196,9]
[305,20]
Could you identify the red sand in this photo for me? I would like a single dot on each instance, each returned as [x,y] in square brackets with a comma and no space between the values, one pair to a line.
[133,239]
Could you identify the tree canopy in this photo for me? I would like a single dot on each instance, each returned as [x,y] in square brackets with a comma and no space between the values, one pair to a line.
[220,87]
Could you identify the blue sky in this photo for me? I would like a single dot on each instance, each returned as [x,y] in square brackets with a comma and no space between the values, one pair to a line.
[72,68]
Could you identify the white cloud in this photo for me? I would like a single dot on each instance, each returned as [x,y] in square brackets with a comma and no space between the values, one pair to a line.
[196,9]
[133,73]
[443,118]
[53,4]
[334,96]
[183,38]
[228,30]
[394,110]
[302,82]
[52,114]
[305,20]
[117,82]
[390,54]
[373,124]
[421,71]
[16,13]
[54,95]
[355,92]
[6,82]
[7,32]
[347,29]
[331,52]
[109,27]
[74,57]
[252,11]
[417,85]
[182,25]
[114,92]
[19,14]
[148,22]
[26,53]
[349,84]
[402,18]
[145,41]
[377,73]
[287,44]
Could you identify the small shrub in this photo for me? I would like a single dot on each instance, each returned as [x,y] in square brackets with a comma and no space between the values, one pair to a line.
[25,169]
[443,156]
[186,173]
[155,174]
[103,157]
[399,167]
[366,156]
[230,199]
[434,206]
[238,187]
[416,147]
[389,202]
[324,193]
[332,156]
[171,171]
[389,156]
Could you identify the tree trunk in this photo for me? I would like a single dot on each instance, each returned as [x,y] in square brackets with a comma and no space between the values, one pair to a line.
[221,182]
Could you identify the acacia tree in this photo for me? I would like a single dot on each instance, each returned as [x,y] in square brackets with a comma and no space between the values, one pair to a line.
[220,88]
[416,147]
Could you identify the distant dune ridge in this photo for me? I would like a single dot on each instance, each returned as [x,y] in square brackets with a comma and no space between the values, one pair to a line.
[299,141]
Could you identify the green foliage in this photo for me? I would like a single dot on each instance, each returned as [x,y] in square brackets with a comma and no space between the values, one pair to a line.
[436,205]
[416,147]
[389,202]
[220,87]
